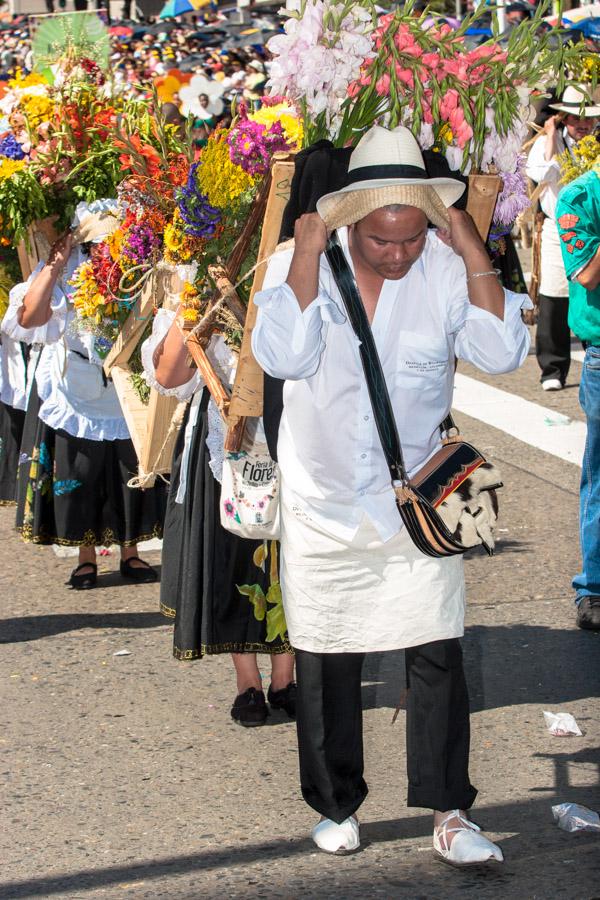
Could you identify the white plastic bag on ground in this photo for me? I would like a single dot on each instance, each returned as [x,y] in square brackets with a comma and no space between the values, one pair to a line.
[572,817]
[561,724]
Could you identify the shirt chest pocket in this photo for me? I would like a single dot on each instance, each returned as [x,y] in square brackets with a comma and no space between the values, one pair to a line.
[422,362]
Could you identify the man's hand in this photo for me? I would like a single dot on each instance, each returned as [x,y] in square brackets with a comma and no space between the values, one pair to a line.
[310,234]
[551,125]
[60,251]
[462,236]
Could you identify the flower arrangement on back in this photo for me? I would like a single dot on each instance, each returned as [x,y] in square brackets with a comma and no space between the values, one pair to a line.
[469,104]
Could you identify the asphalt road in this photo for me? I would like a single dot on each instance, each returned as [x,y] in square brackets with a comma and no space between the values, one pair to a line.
[123,775]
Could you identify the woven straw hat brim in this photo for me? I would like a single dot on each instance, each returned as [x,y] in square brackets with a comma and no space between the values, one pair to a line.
[95,227]
[348,206]
[586,113]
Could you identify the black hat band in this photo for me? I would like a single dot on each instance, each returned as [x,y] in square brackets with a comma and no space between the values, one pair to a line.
[375,173]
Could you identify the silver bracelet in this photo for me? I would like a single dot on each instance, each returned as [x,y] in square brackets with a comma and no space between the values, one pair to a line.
[481,274]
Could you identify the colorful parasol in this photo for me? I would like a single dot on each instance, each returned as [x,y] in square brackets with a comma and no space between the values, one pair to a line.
[174,8]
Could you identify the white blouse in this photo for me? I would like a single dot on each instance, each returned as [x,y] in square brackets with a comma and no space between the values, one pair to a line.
[225,362]
[331,460]
[73,393]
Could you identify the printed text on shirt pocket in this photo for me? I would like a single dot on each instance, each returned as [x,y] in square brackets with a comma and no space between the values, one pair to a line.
[420,355]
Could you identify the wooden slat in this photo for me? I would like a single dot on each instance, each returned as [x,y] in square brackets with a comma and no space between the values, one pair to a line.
[161,432]
[481,200]
[134,410]
[130,333]
[247,394]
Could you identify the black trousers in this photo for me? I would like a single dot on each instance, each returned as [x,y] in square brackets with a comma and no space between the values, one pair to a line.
[553,338]
[329,722]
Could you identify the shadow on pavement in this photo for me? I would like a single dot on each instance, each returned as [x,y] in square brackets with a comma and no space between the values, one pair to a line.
[33,628]
[543,664]
[502,819]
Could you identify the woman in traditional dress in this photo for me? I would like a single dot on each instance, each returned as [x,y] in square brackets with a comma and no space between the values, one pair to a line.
[213,584]
[74,491]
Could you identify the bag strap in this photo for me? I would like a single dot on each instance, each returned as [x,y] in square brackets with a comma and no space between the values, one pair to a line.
[369,357]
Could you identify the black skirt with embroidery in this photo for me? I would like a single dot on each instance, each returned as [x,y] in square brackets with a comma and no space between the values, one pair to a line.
[204,566]
[73,492]
[11,432]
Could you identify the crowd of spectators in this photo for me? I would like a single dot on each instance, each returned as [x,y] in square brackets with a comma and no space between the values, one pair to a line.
[231,57]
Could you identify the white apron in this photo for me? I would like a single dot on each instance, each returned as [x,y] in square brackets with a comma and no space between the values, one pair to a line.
[553,280]
[364,595]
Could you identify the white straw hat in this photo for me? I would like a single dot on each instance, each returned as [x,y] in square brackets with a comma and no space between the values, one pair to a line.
[386,167]
[576,100]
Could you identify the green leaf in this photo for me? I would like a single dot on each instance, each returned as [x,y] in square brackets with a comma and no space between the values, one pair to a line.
[276,624]
[256,596]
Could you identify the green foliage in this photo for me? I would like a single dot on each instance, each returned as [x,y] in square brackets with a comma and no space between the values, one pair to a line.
[22,201]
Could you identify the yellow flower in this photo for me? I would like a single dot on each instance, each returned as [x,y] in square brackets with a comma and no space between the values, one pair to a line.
[36,109]
[445,133]
[281,112]
[221,180]
[115,242]
[21,81]
[8,167]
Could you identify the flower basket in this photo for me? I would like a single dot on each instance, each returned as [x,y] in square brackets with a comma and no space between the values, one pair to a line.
[481,201]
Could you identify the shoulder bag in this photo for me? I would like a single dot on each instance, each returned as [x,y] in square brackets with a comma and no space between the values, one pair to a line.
[450,505]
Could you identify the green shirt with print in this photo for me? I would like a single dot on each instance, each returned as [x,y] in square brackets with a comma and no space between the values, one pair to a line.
[578,220]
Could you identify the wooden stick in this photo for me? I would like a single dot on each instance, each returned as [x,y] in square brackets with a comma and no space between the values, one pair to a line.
[242,245]
[247,394]
[219,392]
[228,292]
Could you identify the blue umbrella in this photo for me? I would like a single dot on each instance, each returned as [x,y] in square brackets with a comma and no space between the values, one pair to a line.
[590,28]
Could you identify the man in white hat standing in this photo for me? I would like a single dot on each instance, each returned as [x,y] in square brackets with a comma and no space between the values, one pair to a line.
[352,579]
[576,118]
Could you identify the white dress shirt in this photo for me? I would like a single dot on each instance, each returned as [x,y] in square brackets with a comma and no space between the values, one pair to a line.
[553,280]
[332,464]
[538,168]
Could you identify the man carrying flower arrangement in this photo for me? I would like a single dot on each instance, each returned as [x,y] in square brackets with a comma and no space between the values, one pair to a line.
[578,220]
[352,579]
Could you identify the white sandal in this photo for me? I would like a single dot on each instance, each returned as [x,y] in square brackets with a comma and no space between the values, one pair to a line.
[468,848]
[337,838]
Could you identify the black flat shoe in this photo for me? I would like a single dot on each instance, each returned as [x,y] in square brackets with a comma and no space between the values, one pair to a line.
[284,699]
[249,709]
[142,574]
[83,581]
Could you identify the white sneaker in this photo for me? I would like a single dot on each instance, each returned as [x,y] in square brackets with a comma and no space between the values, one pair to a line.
[552,384]
[334,838]
[468,847]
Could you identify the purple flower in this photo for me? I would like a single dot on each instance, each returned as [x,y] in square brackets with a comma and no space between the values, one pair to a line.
[140,244]
[10,147]
[252,145]
[513,198]
[199,217]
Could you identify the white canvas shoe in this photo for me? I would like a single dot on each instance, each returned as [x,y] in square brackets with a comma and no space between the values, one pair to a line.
[552,384]
[334,838]
[468,846]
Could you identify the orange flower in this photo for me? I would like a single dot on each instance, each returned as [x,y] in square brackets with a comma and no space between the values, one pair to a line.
[143,156]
